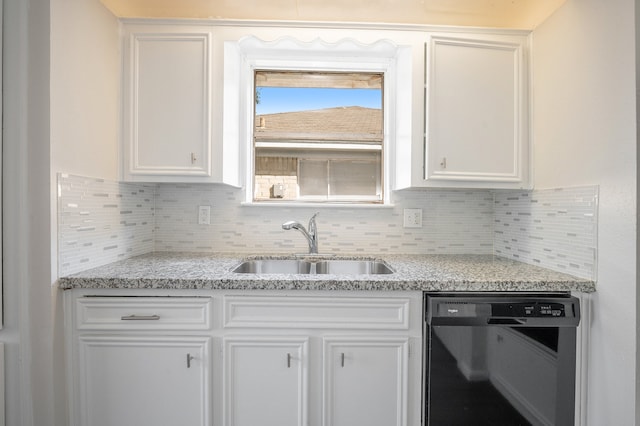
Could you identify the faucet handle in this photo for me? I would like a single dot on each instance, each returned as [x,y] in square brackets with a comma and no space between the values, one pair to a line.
[312,220]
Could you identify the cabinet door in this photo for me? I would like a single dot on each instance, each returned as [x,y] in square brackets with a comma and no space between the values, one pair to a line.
[265,381]
[476,111]
[144,381]
[168,104]
[365,381]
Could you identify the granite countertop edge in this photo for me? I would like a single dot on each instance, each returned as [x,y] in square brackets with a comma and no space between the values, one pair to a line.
[438,272]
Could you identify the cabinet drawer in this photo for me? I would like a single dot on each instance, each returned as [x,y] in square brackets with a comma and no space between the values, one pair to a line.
[316,312]
[143,313]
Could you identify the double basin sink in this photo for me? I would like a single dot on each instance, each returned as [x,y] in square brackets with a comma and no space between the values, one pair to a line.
[308,267]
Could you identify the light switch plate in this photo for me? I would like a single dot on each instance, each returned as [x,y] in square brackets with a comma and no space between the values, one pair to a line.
[204,215]
[412,218]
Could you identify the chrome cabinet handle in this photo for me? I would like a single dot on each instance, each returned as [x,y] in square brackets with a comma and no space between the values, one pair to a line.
[134,317]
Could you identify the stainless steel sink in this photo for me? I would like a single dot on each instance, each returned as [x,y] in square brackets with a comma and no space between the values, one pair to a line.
[298,266]
[352,267]
[274,266]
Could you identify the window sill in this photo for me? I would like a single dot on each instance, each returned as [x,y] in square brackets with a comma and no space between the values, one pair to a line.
[316,205]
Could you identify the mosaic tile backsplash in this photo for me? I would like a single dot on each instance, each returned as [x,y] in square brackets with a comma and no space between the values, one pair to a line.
[102,221]
[453,222]
[554,228]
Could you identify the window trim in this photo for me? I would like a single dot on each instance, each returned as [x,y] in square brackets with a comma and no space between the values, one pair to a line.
[245,56]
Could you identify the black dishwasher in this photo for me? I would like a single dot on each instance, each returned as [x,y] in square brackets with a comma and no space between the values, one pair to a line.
[500,359]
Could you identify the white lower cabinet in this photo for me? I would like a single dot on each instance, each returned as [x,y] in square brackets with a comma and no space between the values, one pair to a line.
[266,381]
[325,359]
[139,361]
[244,358]
[143,380]
[365,381]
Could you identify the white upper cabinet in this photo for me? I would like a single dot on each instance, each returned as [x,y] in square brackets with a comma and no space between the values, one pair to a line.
[477,111]
[456,112]
[167,103]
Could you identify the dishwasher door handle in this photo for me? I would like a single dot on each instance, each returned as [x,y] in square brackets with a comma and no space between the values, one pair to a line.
[482,321]
[506,321]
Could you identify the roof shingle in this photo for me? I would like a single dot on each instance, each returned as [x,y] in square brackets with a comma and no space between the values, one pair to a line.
[350,124]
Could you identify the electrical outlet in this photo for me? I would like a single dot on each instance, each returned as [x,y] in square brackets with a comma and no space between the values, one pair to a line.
[412,218]
[204,215]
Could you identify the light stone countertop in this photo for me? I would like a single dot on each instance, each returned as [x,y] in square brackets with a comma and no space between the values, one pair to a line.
[166,270]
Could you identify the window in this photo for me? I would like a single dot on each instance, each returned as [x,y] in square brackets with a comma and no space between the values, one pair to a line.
[318,136]
[253,67]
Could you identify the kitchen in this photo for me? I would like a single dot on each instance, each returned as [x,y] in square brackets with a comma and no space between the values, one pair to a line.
[583,132]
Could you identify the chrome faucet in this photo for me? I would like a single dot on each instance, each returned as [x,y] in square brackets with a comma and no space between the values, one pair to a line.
[311,235]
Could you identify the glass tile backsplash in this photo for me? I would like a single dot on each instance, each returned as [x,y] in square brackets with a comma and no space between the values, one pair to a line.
[100,222]
[453,222]
[554,228]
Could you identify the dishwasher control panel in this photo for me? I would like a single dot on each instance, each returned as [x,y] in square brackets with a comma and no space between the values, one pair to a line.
[502,309]
[528,309]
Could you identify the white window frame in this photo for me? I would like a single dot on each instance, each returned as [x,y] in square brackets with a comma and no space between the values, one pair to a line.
[242,58]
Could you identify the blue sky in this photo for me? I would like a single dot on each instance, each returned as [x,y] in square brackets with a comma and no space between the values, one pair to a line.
[287,99]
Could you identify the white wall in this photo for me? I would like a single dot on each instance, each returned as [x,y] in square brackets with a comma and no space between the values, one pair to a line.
[26,220]
[585,133]
[85,89]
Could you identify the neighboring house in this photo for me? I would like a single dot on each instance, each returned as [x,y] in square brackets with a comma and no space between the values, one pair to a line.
[344,141]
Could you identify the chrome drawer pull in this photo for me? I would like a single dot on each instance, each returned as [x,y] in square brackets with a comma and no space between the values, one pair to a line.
[140,318]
